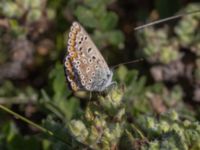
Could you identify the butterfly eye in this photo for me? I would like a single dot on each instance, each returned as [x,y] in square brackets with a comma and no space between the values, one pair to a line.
[85,37]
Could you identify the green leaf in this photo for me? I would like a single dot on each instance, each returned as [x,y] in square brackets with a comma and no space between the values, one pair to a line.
[122,71]
[108,21]
[86,17]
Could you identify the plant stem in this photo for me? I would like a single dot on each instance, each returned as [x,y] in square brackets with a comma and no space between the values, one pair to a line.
[138,131]
[18,116]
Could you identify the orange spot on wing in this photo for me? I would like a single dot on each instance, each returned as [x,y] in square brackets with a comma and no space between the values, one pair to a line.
[70,75]
[73,55]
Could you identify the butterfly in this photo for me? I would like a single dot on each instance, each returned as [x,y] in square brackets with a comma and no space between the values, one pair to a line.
[84,66]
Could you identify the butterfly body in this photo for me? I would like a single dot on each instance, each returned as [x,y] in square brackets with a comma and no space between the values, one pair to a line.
[85,67]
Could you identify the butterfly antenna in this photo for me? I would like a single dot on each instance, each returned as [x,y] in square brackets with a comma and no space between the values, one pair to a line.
[129,62]
[166,19]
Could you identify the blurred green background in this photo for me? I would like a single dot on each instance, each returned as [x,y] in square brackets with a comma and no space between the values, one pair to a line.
[156,104]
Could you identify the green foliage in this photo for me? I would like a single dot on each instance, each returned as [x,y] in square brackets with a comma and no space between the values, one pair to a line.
[102,21]
[60,99]
[171,133]
[152,107]
[103,123]
[159,45]
[13,140]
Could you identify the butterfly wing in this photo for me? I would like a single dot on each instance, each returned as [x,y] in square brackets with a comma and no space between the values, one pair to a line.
[88,70]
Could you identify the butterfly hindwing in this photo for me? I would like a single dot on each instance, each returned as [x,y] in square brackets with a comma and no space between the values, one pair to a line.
[88,70]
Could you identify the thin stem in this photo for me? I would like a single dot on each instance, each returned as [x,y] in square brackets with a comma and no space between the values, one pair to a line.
[18,116]
[138,131]
[166,19]
[129,62]
[25,120]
